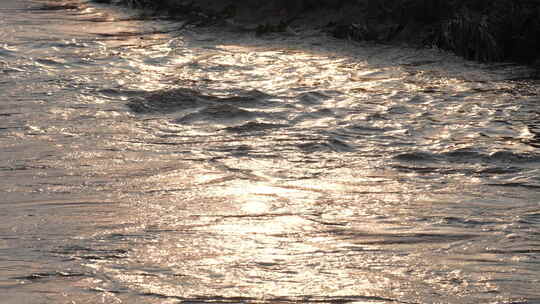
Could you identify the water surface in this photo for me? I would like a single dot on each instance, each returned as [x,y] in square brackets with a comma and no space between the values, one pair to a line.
[148,161]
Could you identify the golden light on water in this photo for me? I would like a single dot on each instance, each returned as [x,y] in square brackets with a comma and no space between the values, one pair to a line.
[306,172]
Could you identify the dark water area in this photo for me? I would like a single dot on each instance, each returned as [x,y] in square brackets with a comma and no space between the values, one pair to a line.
[148,161]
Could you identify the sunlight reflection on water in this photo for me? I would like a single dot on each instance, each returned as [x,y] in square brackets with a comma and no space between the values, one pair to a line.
[210,166]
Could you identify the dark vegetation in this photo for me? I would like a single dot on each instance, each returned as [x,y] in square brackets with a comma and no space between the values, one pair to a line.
[482,30]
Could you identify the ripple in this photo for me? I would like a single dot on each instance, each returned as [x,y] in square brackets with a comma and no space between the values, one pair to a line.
[173,100]
[49,275]
[218,113]
[330,145]
[254,126]
[469,156]
[169,101]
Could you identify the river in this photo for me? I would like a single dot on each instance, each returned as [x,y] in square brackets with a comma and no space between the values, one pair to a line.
[150,161]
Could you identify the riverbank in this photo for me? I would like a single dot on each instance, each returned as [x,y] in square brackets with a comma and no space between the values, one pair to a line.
[486,31]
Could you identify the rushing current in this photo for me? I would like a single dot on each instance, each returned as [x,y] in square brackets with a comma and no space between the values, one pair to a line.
[152,161]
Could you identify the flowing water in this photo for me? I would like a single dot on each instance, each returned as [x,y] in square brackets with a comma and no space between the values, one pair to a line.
[147,161]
